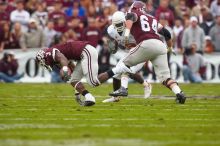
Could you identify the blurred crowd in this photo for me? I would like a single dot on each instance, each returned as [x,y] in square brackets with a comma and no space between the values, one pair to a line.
[29,24]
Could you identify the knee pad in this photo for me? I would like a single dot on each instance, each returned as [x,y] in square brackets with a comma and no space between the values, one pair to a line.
[168,82]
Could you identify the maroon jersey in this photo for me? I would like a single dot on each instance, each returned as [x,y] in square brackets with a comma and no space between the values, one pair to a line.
[145,27]
[72,50]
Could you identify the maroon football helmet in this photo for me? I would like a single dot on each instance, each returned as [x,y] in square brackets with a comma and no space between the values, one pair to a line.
[138,5]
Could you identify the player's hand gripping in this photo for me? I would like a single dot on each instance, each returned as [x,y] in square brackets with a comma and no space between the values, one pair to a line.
[65,73]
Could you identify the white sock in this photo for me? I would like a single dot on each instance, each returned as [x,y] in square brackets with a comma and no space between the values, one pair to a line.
[176,89]
[89,97]
[124,81]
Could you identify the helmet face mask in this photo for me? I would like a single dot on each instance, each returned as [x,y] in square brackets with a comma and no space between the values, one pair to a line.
[40,58]
[118,21]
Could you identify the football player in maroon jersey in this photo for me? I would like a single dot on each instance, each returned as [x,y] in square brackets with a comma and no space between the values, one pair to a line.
[86,58]
[145,29]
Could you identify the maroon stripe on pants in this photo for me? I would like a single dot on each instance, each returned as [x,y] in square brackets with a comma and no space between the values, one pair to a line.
[90,67]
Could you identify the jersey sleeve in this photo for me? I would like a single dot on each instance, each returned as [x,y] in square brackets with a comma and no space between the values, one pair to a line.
[50,56]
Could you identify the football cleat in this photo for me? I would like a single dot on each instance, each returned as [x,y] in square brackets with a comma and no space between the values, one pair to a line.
[78,99]
[147,90]
[120,92]
[86,102]
[180,98]
[112,99]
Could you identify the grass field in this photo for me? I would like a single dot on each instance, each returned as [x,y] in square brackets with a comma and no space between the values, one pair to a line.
[47,115]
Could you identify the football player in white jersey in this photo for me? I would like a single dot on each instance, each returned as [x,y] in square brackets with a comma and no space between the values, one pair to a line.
[116,46]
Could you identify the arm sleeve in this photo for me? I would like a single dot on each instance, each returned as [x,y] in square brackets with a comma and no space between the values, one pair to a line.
[131,16]
[165,33]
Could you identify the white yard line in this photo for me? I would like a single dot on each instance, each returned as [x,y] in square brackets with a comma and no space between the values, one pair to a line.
[109,119]
[57,126]
[105,142]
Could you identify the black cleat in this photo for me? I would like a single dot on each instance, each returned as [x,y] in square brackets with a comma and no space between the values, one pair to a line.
[120,92]
[180,98]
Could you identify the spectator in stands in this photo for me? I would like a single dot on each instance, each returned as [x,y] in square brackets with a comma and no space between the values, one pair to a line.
[150,7]
[199,9]
[77,23]
[61,26]
[102,21]
[208,23]
[111,4]
[180,36]
[164,11]
[57,13]
[126,7]
[68,36]
[40,15]
[91,11]
[50,34]
[92,34]
[5,36]
[11,38]
[86,3]
[10,6]
[215,33]
[193,65]
[209,46]
[31,6]
[16,36]
[33,38]
[8,68]
[98,7]
[76,5]
[194,35]
[215,7]
[182,9]
[20,15]
[4,16]
[177,29]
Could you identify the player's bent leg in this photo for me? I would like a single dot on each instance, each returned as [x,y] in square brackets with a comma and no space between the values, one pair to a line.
[89,99]
[163,74]
[173,85]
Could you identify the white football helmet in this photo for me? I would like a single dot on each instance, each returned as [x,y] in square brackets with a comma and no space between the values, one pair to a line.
[118,21]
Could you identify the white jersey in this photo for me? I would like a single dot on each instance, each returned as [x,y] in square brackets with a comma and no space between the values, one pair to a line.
[113,33]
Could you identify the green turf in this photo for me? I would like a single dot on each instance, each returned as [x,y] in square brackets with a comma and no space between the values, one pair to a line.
[47,115]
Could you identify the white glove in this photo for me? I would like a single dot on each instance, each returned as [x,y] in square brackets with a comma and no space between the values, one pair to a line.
[121,68]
